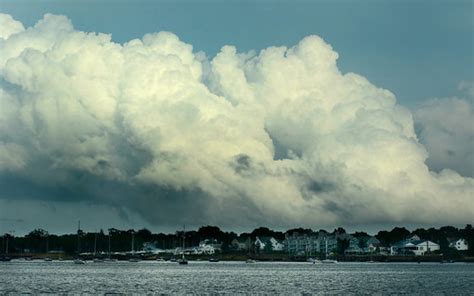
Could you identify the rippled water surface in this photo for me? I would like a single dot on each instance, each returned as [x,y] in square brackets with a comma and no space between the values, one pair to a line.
[39,277]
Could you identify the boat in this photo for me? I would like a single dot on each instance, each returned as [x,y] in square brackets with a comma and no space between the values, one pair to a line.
[213,260]
[47,259]
[182,260]
[96,259]
[133,258]
[109,257]
[249,260]
[4,257]
[79,261]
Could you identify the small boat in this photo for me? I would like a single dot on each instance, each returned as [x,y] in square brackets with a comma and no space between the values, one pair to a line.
[213,260]
[182,260]
[47,259]
[250,261]
[5,259]
[173,260]
[98,260]
[326,261]
[79,261]
[134,260]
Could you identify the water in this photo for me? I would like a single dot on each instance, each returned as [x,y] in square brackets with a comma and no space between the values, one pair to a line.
[38,277]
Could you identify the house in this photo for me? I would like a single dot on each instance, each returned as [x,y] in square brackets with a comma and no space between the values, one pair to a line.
[356,246]
[413,247]
[210,246]
[242,243]
[373,245]
[301,244]
[309,244]
[268,242]
[459,244]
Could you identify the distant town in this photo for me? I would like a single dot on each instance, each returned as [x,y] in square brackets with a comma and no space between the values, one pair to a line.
[444,244]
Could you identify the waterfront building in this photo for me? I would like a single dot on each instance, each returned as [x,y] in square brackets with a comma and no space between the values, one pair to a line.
[413,247]
[264,241]
[310,244]
[242,243]
[459,244]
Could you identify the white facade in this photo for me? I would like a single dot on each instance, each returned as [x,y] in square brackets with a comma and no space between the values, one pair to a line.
[276,245]
[417,248]
[424,247]
[460,245]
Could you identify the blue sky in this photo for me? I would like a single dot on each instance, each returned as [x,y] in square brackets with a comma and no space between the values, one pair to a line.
[416,49]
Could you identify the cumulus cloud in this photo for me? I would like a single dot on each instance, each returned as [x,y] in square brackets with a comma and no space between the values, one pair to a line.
[280,137]
[446,128]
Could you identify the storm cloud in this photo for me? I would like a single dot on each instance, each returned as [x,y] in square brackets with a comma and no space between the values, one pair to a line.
[446,128]
[280,137]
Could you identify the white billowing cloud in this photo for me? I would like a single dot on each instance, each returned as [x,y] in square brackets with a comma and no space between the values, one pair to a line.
[9,26]
[446,129]
[280,138]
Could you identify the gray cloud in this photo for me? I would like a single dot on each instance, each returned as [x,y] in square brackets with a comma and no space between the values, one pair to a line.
[445,127]
[149,127]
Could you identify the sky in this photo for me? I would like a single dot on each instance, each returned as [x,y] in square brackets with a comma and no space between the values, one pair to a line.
[238,114]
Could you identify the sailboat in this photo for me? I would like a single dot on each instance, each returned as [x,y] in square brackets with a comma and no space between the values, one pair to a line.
[5,258]
[47,259]
[96,259]
[248,259]
[109,258]
[78,260]
[183,260]
[133,258]
[326,260]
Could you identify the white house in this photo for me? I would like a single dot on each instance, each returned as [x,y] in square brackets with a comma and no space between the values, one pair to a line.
[416,247]
[460,244]
[210,246]
[262,242]
[425,246]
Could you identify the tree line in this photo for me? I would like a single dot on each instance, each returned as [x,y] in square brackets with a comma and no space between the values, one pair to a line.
[40,241]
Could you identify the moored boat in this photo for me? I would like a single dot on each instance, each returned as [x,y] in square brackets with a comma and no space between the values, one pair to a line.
[79,261]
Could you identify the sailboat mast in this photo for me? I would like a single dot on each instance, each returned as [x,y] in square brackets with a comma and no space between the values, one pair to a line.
[133,241]
[109,243]
[95,243]
[78,237]
[184,235]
